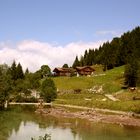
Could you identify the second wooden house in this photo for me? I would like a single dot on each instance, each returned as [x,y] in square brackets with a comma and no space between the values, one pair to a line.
[85,71]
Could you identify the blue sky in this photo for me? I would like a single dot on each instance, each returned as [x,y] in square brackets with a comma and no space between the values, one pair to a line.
[53,32]
[64,21]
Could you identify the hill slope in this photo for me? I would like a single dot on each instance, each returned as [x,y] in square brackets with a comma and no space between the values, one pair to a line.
[92,91]
[110,80]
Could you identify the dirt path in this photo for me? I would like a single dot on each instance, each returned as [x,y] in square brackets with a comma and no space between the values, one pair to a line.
[13,103]
[93,109]
[111,97]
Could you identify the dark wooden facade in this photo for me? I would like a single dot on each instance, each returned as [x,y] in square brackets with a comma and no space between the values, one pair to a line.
[86,70]
[63,71]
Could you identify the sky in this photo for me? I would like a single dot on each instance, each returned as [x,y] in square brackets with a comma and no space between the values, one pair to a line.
[53,32]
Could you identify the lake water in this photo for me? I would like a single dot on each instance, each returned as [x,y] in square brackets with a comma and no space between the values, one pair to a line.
[22,124]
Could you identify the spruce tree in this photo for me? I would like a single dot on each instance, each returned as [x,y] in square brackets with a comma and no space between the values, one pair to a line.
[20,74]
[86,58]
[26,71]
[13,71]
[131,73]
[76,62]
[82,61]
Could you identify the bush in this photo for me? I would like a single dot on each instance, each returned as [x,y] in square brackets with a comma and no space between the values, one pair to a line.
[48,90]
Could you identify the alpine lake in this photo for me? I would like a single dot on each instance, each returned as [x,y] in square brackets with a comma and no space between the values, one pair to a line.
[22,123]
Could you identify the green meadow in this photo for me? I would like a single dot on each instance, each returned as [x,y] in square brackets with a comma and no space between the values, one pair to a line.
[111,81]
[83,91]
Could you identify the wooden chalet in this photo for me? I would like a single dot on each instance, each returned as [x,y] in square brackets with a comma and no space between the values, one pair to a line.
[64,71]
[84,71]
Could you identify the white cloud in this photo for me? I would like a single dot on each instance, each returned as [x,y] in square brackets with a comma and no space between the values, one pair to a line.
[33,54]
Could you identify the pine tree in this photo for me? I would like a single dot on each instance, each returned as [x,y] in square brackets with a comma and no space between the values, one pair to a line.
[131,73]
[20,74]
[76,62]
[81,61]
[86,58]
[26,71]
[13,71]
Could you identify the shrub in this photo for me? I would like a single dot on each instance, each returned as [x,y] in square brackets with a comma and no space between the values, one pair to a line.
[48,90]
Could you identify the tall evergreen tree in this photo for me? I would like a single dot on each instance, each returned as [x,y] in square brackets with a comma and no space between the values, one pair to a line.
[13,71]
[26,71]
[86,58]
[131,73]
[76,62]
[81,61]
[20,74]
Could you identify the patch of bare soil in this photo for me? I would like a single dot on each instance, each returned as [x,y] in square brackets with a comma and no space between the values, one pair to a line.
[91,115]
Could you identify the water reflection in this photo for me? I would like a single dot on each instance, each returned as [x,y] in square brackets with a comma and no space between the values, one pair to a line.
[18,125]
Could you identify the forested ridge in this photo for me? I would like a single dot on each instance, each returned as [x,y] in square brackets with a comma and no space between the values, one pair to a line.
[119,51]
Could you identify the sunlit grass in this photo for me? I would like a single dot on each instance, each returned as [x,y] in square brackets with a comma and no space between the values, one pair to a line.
[111,81]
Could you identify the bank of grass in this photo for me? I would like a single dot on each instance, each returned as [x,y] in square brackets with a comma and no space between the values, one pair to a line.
[111,81]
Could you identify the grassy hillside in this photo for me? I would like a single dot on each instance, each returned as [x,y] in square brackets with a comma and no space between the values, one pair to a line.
[111,82]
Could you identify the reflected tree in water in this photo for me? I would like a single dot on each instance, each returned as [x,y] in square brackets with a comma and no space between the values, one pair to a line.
[46,137]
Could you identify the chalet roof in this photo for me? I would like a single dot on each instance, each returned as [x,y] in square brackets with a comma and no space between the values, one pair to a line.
[58,69]
[86,68]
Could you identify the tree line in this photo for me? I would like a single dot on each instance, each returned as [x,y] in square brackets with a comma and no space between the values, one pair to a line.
[16,85]
[124,50]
